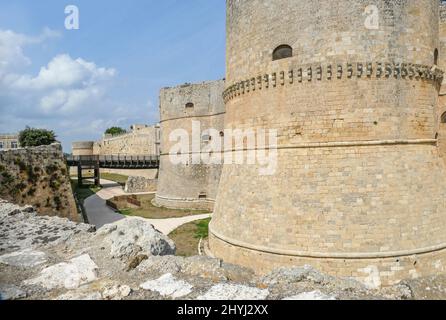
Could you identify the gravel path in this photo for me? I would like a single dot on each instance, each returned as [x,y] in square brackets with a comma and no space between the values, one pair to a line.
[166,226]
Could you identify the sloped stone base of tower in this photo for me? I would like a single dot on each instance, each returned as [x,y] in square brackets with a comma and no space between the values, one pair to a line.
[372,210]
[374,273]
[186,204]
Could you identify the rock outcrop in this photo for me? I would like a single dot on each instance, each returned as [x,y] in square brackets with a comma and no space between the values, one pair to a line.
[54,258]
[38,176]
[132,237]
[22,228]
[69,275]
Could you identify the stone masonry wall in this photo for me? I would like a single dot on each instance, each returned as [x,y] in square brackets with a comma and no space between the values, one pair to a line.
[356,111]
[143,141]
[140,184]
[193,185]
[39,177]
[442,97]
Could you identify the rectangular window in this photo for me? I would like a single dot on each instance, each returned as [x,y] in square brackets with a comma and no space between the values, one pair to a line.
[1,144]
[14,145]
[206,138]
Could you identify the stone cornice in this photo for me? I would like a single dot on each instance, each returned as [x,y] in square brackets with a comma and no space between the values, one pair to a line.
[332,72]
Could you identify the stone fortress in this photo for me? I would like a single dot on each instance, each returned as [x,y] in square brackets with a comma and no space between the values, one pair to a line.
[361,121]
[140,140]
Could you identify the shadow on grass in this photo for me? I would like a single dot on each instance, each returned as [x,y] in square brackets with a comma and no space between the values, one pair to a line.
[83,192]
[188,236]
[149,211]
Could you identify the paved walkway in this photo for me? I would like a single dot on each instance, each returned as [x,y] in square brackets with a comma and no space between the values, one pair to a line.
[166,226]
[99,214]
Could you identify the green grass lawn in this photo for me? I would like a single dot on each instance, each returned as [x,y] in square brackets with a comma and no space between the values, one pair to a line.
[84,192]
[188,236]
[119,178]
[149,211]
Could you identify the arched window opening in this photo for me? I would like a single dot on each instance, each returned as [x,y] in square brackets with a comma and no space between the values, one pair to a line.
[436,57]
[282,52]
[189,105]
[443,118]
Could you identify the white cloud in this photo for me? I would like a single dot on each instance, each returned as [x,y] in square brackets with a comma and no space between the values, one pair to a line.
[69,95]
[12,44]
[62,87]
[64,72]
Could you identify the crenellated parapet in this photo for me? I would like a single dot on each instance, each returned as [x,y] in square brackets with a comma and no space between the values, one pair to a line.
[335,71]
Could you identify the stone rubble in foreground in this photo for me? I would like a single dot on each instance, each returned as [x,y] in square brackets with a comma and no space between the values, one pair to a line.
[56,259]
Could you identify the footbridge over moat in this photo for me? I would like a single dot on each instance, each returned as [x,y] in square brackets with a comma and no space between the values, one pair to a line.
[96,162]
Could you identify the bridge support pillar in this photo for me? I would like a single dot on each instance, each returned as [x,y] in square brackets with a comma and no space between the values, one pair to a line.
[80,181]
[97,175]
[92,165]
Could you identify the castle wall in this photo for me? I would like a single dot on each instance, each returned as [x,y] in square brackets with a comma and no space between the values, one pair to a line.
[82,148]
[38,177]
[189,185]
[356,111]
[142,140]
[442,96]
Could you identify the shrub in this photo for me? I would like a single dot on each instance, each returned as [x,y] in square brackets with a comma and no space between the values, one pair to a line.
[115,131]
[31,137]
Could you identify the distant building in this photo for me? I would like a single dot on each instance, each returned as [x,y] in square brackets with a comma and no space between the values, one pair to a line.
[9,141]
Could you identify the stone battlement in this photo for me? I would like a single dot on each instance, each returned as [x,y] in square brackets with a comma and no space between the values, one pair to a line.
[353,70]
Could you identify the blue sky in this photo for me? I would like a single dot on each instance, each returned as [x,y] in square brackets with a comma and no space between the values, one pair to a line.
[109,72]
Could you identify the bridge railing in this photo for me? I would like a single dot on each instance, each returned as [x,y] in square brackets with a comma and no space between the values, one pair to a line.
[116,161]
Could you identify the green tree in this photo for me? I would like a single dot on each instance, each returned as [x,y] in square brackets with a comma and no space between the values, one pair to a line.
[31,137]
[115,131]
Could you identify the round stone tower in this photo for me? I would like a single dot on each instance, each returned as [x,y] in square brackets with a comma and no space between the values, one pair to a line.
[190,185]
[82,148]
[352,88]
